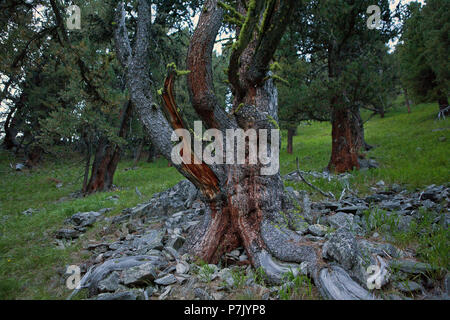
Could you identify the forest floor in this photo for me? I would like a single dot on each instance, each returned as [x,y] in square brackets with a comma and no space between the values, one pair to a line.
[411,149]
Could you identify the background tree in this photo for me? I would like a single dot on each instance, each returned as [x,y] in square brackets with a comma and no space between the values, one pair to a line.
[424,52]
[338,41]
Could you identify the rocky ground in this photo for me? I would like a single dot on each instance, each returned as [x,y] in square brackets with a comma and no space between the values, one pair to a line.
[139,255]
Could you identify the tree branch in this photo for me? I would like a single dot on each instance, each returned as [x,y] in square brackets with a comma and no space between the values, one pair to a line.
[199,63]
[277,15]
[158,127]
[123,47]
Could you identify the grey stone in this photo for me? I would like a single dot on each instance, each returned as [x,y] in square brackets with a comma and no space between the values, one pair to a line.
[342,247]
[226,276]
[151,240]
[98,273]
[84,219]
[182,267]
[176,242]
[376,198]
[342,219]
[391,205]
[318,230]
[331,205]
[166,280]
[68,234]
[139,275]
[29,212]
[404,223]
[352,209]
[110,283]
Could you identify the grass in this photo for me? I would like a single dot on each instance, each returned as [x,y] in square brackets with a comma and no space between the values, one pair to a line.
[30,263]
[296,287]
[408,151]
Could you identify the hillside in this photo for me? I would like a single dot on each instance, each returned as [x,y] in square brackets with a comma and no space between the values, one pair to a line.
[412,151]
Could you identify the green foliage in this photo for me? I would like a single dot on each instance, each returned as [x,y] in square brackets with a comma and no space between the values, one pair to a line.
[239,277]
[295,287]
[424,54]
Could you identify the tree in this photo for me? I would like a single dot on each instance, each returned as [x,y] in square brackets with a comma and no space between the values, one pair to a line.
[241,202]
[337,38]
[424,52]
[243,206]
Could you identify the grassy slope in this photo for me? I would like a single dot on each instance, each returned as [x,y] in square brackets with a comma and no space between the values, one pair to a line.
[408,151]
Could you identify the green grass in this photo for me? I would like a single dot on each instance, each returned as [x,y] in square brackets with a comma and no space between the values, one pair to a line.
[29,261]
[407,150]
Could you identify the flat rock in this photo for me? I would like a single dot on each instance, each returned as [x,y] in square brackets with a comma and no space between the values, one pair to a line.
[110,283]
[139,275]
[166,280]
[318,230]
[342,247]
[342,219]
[68,234]
[151,240]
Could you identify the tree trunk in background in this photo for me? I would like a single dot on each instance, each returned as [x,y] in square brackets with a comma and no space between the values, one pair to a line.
[407,102]
[138,153]
[290,140]
[107,157]
[344,149]
[357,125]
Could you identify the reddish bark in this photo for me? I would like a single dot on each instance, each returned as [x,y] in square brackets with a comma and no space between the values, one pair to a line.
[344,151]
[202,173]
[107,157]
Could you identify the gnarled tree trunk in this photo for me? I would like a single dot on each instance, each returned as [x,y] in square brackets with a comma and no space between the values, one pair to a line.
[244,206]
